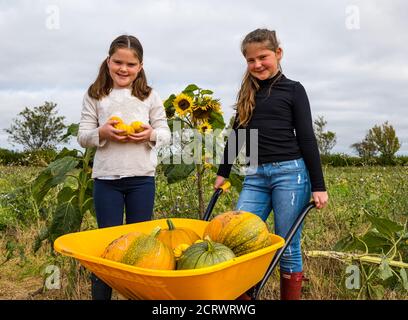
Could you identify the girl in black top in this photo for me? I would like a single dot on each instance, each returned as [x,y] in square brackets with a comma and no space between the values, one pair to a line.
[285,170]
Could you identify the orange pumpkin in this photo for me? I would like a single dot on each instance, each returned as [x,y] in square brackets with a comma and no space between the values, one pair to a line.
[175,236]
[241,231]
[141,250]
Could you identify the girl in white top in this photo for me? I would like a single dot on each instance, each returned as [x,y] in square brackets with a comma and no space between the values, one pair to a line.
[124,164]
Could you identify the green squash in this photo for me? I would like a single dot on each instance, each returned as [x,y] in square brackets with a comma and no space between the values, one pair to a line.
[204,254]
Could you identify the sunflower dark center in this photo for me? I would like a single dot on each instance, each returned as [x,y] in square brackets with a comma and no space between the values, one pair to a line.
[201,114]
[184,104]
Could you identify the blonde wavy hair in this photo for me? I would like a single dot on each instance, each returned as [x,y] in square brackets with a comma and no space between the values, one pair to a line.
[246,96]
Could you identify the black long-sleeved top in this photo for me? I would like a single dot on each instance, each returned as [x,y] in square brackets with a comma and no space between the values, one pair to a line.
[285,130]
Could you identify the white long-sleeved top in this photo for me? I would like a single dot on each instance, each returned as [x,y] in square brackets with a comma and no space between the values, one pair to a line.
[118,159]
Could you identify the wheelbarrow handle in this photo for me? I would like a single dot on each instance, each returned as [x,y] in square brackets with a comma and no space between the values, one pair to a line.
[288,238]
[214,199]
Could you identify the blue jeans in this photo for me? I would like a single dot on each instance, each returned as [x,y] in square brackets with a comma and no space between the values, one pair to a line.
[132,195]
[284,187]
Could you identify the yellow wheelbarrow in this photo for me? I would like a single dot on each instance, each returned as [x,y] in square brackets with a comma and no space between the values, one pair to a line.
[223,281]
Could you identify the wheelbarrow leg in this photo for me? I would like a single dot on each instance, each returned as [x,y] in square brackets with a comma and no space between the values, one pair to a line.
[211,204]
[254,291]
[100,290]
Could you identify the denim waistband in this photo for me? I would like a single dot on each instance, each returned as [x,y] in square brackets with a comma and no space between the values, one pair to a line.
[292,165]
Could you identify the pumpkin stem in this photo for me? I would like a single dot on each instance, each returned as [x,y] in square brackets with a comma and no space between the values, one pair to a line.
[170,224]
[155,231]
[210,243]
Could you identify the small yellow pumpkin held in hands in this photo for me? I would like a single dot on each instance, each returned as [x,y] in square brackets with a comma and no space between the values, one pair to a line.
[116,118]
[130,130]
[125,127]
[134,127]
[137,126]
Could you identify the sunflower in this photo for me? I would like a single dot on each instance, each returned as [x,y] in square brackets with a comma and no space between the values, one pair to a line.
[205,127]
[215,105]
[183,104]
[202,110]
[200,114]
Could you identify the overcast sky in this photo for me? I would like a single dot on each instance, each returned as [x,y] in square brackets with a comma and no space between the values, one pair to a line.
[351,56]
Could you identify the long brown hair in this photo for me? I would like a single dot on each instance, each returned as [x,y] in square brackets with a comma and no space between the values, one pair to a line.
[103,84]
[246,96]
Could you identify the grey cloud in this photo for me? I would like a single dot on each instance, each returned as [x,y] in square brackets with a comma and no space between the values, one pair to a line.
[354,78]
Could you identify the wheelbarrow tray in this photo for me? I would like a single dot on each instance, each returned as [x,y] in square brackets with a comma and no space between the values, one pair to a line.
[223,281]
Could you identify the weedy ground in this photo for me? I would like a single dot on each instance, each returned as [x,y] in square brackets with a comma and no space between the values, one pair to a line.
[354,192]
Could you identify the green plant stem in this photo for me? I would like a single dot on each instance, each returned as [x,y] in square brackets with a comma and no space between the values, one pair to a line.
[200,190]
[365,281]
[186,122]
[84,181]
[343,256]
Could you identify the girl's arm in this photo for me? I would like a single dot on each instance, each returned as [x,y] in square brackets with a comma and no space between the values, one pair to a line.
[160,134]
[88,133]
[308,144]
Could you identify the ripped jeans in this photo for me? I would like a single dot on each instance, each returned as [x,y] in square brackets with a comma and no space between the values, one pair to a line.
[283,187]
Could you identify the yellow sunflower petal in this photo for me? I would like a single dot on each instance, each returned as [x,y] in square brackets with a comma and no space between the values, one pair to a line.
[183,104]
[205,127]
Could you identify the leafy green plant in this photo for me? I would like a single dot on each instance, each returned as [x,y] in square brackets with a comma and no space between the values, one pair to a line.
[13,249]
[381,253]
[192,115]
[70,173]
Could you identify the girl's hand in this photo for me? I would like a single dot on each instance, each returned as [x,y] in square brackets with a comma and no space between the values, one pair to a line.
[320,198]
[108,132]
[143,136]
[219,181]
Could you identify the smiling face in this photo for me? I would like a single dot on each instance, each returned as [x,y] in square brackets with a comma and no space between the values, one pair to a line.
[262,62]
[124,66]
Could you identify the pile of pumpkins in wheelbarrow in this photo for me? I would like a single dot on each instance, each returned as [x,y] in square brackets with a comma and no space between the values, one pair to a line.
[226,236]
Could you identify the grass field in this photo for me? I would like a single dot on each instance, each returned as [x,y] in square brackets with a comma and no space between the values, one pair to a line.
[354,192]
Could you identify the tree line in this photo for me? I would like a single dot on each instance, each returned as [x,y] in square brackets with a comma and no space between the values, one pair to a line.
[380,141]
[41,128]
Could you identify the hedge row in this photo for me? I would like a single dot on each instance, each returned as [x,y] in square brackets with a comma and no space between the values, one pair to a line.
[343,160]
[26,158]
[43,157]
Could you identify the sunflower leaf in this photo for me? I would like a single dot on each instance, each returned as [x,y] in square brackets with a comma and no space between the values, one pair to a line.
[216,120]
[385,226]
[190,87]
[169,101]
[384,271]
[177,172]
